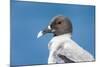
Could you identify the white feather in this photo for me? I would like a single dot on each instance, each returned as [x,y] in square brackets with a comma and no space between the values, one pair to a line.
[64,45]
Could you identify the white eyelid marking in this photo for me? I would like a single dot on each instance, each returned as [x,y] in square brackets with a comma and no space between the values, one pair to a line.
[49,27]
[53,30]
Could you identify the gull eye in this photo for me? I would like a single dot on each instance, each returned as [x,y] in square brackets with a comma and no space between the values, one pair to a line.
[59,22]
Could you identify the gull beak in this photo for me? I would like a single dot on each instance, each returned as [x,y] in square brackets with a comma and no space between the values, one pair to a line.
[46,30]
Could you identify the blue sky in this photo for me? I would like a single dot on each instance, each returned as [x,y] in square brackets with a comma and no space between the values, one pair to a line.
[27,19]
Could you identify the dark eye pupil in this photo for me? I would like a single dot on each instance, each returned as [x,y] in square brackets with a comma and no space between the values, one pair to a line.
[59,22]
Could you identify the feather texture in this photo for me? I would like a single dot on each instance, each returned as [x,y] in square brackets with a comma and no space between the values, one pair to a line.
[64,46]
